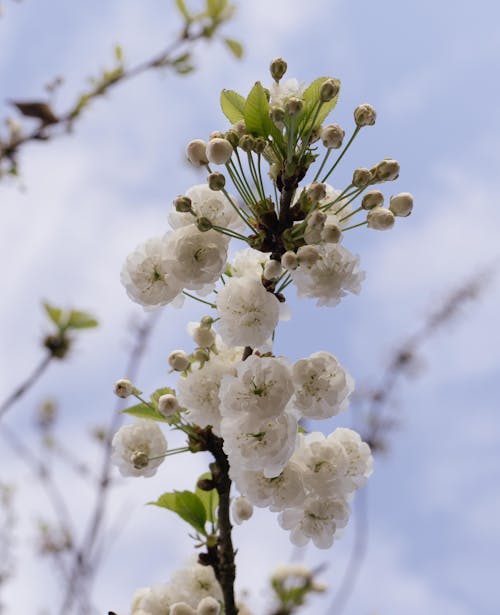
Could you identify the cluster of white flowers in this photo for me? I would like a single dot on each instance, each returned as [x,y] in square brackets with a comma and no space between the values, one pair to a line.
[193,590]
[138,449]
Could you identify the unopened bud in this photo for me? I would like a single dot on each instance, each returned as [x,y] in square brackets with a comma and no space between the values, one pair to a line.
[332,136]
[277,114]
[179,360]
[317,219]
[387,170]
[239,127]
[372,199]
[272,269]
[201,355]
[219,151]
[216,181]
[196,152]
[206,322]
[329,89]
[203,224]
[293,106]
[331,233]
[289,261]
[307,255]
[216,134]
[233,137]
[316,191]
[380,219]
[181,608]
[364,115]
[242,510]
[247,143]
[139,460]
[401,204]
[278,68]
[123,388]
[208,606]
[204,337]
[182,204]
[259,145]
[361,177]
[168,405]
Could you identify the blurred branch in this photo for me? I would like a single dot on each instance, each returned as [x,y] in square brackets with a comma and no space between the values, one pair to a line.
[26,385]
[176,56]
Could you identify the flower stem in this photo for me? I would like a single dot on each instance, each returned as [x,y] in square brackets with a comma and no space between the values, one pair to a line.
[212,305]
[341,154]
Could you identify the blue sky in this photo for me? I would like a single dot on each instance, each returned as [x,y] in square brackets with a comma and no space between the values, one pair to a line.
[430,71]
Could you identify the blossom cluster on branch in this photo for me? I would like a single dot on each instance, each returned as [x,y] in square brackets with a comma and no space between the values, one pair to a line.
[235,397]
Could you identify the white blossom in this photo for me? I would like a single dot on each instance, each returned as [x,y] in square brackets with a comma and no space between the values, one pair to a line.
[284,90]
[208,606]
[157,600]
[249,262]
[322,386]
[317,520]
[138,448]
[206,203]
[196,258]
[242,509]
[147,275]
[168,405]
[261,388]
[334,274]
[194,583]
[123,388]
[248,313]
[359,458]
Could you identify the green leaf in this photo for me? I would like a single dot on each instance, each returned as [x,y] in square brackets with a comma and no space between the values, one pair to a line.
[187,505]
[81,320]
[311,98]
[159,392]
[235,47]
[257,118]
[143,411]
[119,53]
[232,105]
[181,5]
[210,499]
[54,313]
[215,7]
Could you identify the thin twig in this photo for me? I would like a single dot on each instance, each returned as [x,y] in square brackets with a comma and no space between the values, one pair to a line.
[26,385]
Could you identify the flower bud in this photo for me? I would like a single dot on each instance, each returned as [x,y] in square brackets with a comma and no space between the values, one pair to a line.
[201,355]
[331,233]
[332,136]
[328,90]
[401,204]
[289,261]
[179,360]
[203,224]
[182,204]
[278,68]
[247,143]
[380,219]
[206,322]
[240,127]
[233,137]
[307,255]
[364,115]
[277,114]
[208,606]
[293,106]
[123,388]
[204,337]
[242,510]
[139,460]
[168,405]
[216,181]
[316,191]
[387,170]
[196,152]
[216,134]
[317,219]
[372,199]
[272,269]
[219,151]
[181,608]
[259,145]
[361,177]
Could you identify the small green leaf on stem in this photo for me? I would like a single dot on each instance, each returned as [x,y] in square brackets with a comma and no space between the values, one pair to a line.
[235,47]
[144,411]
[232,105]
[81,320]
[187,505]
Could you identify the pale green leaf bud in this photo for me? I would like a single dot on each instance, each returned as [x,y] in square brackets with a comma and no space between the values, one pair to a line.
[179,360]
[380,219]
[219,151]
[216,181]
[278,68]
[329,89]
[182,204]
[293,106]
[372,199]
[401,204]
[361,177]
[332,136]
[364,115]
[196,152]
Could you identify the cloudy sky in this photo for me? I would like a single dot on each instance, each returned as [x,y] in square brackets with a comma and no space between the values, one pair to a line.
[430,69]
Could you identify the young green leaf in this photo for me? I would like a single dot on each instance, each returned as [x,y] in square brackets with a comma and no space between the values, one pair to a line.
[159,392]
[81,320]
[210,499]
[311,98]
[187,505]
[232,105]
[143,411]
[215,7]
[235,47]
[54,313]
[257,119]
[181,5]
